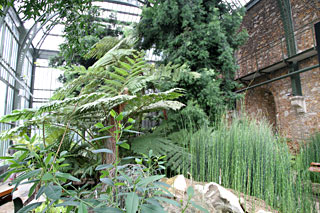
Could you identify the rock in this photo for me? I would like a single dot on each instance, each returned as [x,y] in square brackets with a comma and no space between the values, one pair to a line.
[210,196]
[252,204]
[180,183]
[219,198]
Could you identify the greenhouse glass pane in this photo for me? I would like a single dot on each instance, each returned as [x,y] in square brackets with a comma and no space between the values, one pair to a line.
[3,92]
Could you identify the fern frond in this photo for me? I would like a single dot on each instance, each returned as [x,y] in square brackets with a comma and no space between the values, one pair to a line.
[169,105]
[112,57]
[105,103]
[104,45]
[177,156]
[24,114]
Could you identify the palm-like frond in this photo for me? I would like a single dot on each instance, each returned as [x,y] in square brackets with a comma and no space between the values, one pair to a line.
[105,45]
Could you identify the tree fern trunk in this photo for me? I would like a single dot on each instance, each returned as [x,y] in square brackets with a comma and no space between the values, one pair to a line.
[110,143]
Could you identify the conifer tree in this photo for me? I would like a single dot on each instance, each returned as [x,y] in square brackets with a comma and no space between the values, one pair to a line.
[202,34]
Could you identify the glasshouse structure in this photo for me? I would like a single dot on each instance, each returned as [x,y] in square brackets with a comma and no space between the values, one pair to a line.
[160,106]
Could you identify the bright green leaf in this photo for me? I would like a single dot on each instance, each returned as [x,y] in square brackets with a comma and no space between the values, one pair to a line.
[82,208]
[132,202]
[125,146]
[47,176]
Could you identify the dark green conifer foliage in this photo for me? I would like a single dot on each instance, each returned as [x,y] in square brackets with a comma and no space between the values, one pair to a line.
[202,34]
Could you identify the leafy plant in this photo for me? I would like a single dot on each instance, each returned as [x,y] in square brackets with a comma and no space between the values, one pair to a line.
[202,35]
[116,82]
[40,166]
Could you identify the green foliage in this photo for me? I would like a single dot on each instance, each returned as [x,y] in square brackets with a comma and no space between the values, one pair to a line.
[202,35]
[310,152]
[128,187]
[82,30]
[245,155]
[40,9]
[176,155]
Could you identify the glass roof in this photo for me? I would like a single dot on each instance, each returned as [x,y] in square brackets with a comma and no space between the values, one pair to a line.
[125,11]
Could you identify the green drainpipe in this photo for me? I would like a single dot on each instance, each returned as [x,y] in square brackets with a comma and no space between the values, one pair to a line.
[285,12]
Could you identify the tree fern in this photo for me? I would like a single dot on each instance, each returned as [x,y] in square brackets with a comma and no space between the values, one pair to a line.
[177,157]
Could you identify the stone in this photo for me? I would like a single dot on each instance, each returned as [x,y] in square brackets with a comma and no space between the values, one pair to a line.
[210,196]
[219,198]
[180,183]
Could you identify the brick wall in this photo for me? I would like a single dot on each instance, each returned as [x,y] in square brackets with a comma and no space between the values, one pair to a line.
[265,44]
[273,100]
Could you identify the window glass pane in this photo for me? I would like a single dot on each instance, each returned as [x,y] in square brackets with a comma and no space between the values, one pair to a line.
[3,92]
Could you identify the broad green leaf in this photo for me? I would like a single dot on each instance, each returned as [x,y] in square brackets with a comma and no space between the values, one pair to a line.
[40,192]
[119,184]
[113,113]
[131,120]
[33,139]
[63,153]
[67,176]
[125,146]
[198,207]
[138,161]
[145,181]
[190,191]
[27,175]
[26,137]
[119,117]
[102,151]
[82,208]
[48,158]
[128,127]
[99,125]
[30,207]
[47,176]
[132,202]
[100,138]
[107,181]
[150,208]
[19,149]
[162,157]
[53,192]
[6,157]
[32,188]
[173,202]
[68,203]
[106,128]
[107,210]
[104,166]
[132,131]
[153,201]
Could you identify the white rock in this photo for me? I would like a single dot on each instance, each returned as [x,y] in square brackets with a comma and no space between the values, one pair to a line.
[180,183]
[232,199]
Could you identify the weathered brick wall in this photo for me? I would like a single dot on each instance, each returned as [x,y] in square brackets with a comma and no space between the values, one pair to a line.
[285,118]
[265,44]
[305,13]
[259,101]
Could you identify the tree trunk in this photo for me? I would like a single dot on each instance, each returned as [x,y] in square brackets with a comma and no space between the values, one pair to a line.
[110,143]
